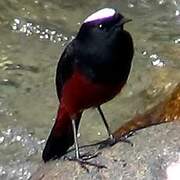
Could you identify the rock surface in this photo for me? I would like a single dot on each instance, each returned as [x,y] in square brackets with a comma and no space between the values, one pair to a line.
[154,149]
[155,154]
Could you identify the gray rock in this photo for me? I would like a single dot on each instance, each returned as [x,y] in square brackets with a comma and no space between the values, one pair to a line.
[154,150]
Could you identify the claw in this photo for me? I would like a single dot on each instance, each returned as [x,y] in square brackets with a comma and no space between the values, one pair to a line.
[125,138]
[84,163]
[112,140]
[107,143]
[88,156]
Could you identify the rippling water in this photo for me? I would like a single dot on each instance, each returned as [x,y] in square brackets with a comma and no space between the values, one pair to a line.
[33,35]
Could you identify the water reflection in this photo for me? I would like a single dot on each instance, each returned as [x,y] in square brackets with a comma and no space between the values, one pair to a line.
[28,28]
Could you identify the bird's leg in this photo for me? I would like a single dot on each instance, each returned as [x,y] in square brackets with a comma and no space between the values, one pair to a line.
[111,140]
[82,160]
[77,154]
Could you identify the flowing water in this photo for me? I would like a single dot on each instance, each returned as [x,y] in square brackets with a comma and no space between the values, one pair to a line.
[34,33]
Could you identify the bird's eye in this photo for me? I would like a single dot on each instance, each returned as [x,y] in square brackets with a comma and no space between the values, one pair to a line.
[100,26]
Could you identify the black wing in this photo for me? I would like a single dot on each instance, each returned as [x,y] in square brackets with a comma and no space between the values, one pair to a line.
[64,68]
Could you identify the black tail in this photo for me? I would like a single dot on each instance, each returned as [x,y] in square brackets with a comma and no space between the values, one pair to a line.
[61,136]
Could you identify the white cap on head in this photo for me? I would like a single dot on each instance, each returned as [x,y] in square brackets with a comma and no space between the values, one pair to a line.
[101,14]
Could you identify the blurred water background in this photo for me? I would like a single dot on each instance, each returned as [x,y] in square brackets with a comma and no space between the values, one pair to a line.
[34,33]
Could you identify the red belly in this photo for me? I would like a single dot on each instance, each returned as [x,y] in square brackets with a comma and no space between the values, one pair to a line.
[80,93]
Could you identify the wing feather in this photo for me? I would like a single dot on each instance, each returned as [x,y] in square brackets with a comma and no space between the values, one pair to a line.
[64,68]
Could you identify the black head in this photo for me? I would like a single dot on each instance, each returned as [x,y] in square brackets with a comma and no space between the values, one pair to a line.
[103,24]
[104,50]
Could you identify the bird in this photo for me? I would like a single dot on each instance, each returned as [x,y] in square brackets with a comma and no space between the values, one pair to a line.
[91,71]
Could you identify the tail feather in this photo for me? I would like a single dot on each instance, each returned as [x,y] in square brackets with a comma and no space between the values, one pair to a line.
[61,136]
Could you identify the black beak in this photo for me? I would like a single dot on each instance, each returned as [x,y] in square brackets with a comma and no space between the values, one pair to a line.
[123,21]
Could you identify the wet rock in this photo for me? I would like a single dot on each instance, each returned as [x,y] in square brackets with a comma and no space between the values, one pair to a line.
[166,111]
[154,150]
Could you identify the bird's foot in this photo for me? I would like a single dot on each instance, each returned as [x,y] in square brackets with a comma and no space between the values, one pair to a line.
[83,161]
[88,155]
[125,138]
[112,140]
[108,142]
